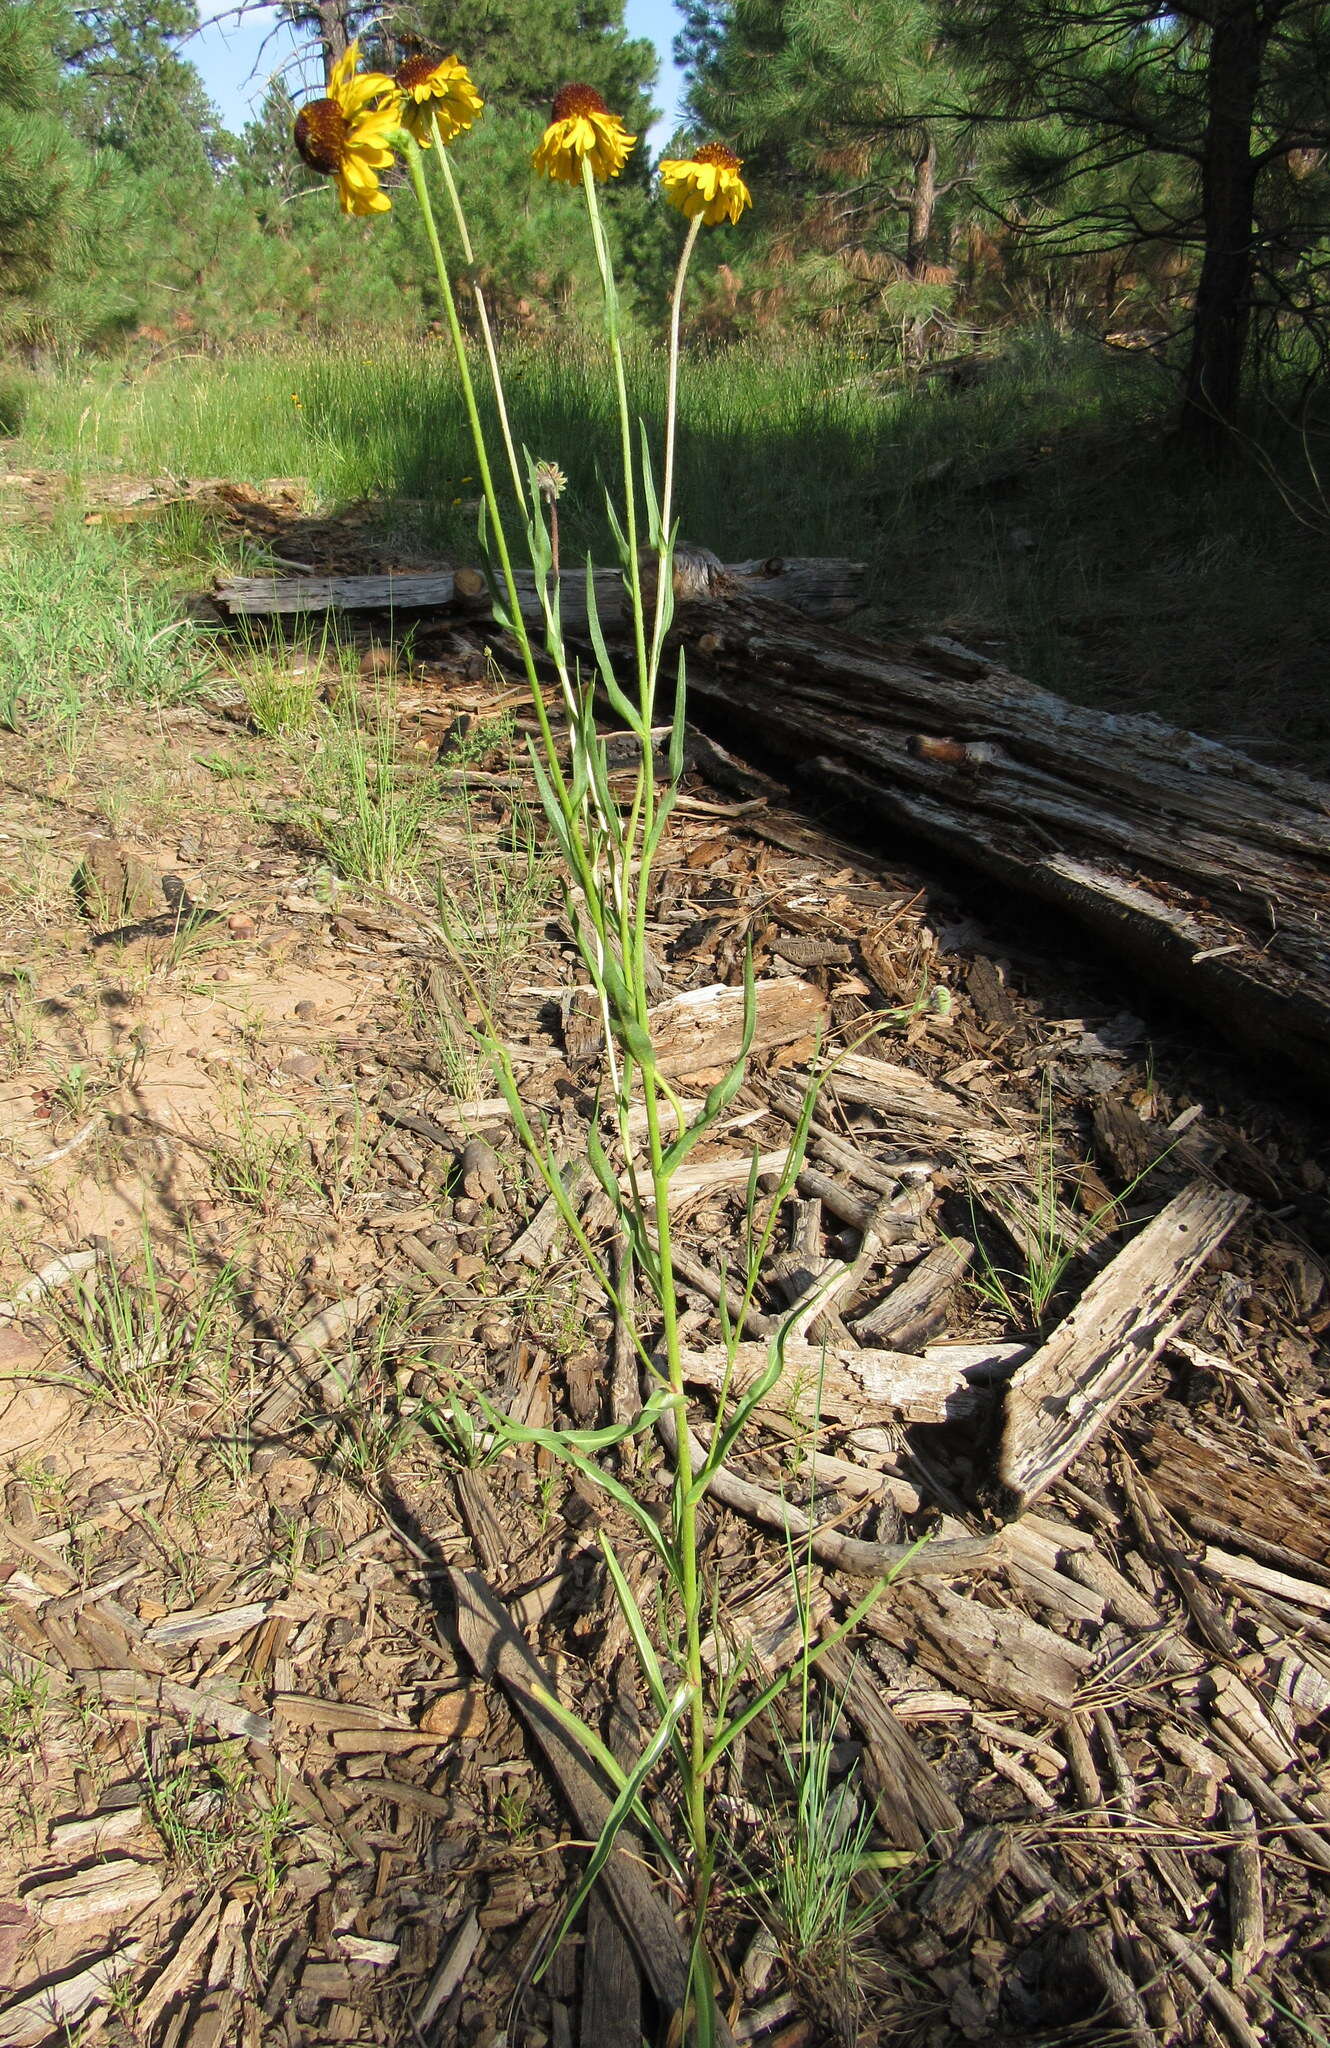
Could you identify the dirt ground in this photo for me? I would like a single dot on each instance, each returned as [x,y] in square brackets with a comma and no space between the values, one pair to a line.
[267,1234]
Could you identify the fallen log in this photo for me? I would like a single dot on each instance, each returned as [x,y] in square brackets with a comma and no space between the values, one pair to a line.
[817,587]
[1209,871]
[1206,869]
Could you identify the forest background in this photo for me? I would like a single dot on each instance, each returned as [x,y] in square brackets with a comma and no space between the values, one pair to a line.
[1032,307]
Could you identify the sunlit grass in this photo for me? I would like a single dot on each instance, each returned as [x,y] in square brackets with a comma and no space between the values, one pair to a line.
[1042,510]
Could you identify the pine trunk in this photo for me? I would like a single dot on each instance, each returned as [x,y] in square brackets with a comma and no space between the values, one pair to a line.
[923,202]
[1228,200]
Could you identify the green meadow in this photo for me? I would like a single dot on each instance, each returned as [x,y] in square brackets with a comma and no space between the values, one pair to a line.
[1042,510]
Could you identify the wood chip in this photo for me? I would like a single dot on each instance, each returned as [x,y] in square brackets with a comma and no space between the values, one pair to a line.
[1063,1396]
[109,1891]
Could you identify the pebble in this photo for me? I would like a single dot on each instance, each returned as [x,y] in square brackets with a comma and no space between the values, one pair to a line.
[240,925]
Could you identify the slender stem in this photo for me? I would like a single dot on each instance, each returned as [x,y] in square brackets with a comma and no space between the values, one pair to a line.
[577,850]
[482,311]
[665,551]
[634,569]
[634,964]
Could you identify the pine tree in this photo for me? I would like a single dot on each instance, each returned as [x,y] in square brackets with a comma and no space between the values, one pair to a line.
[841,111]
[135,94]
[46,179]
[1201,127]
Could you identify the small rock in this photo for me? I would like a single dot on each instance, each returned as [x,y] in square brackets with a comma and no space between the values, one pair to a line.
[466,1265]
[481,1175]
[455,1714]
[378,661]
[301,1066]
[307,1011]
[241,925]
[115,887]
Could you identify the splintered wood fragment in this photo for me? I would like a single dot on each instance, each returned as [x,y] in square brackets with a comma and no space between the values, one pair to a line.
[700,1176]
[1061,1398]
[914,1808]
[311,1710]
[451,1969]
[842,1381]
[1205,1479]
[534,1244]
[973,1871]
[476,1503]
[848,1554]
[56,2008]
[109,1891]
[920,1305]
[704,1028]
[995,1651]
[1309,1839]
[1161,1536]
[1246,1897]
[93,1832]
[767,1630]
[501,1654]
[138,1693]
[1227,2009]
[298,1354]
[611,1985]
[625,1370]
[184,1967]
[222,1626]
[1261,1578]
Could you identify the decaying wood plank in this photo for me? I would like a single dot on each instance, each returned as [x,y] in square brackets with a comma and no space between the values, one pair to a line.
[1063,1396]
[995,1651]
[704,1028]
[962,1887]
[55,2008]
[919,1306]
[822,588]
[1207,1483]
[845,1382]
[849,1554]
[501,1654]
[914,1807]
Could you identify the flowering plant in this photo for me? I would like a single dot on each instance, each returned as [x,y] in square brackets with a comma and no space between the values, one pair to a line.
[608,849]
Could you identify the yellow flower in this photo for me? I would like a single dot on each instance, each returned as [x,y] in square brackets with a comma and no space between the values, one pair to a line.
[437,90]
[345,137]
[583,127]
[708,183]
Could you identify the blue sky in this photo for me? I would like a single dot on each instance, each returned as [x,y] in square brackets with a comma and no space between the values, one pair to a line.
[236,65]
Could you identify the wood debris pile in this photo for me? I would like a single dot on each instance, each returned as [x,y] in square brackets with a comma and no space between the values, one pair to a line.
[307,1790]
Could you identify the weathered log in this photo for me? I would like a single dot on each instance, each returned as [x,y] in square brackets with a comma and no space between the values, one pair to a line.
[1208,870]
[822,589]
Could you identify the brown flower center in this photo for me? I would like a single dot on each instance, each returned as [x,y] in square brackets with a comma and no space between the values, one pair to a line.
[717,154]
[415,71]
[571,100]
[321,136]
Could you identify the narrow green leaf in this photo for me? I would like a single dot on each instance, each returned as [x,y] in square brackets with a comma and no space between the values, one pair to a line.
[632,1614]
[649,490]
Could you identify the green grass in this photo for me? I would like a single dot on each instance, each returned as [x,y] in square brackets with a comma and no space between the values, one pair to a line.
[85,623]
[1045,511]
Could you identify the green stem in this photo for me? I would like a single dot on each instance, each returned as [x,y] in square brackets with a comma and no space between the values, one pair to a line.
[665,551]
[614,337]
[641,821]
[585,878]
[482,311]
